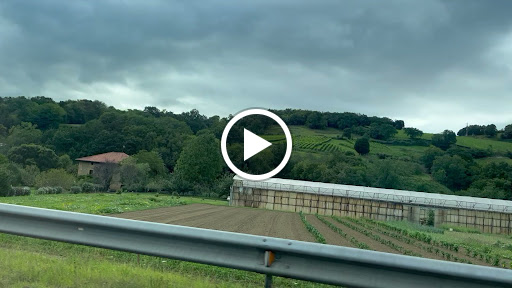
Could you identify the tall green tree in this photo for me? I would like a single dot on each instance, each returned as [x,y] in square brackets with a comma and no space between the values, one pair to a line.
[5,185]
[490,130]
[413,133]
[134,176]
[444,140]
[200,162]
[362,146]
[25,133]
[48,115]
[153,159]
[31,154]
[452,171]
[316,120]
[382,131]
[507,132]
[430,155]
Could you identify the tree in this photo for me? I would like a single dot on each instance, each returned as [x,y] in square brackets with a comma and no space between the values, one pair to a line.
[362,146]
[25,133]
[48,115]
[5,185]
[105,173]
[316,120]
[82,111]
[3,131]
[65,161]
[444,140]
[413,133]
[154,161]
[507,132]
[31,154]
[55,178]
[347,133]
[490,130]
[134,176]
[200,161]
[194,120]
[399,124]
[430,155]
[382,131]
[451,171]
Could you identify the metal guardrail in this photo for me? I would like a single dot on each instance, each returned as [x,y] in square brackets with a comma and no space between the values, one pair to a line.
[271,256]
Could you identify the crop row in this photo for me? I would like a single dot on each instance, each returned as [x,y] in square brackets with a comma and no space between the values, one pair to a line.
[402,238]
[375,237]
[338,230]
[318,236]
[488,256]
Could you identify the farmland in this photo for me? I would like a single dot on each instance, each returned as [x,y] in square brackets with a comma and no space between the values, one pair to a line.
[487,250]
[27,262]
[329,140]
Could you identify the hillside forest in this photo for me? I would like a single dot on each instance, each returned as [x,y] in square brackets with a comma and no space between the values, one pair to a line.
[180,152]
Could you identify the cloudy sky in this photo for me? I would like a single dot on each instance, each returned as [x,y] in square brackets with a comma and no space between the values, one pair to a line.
[435,64]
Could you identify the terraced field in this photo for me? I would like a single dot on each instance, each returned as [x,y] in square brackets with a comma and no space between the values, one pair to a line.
[343,231]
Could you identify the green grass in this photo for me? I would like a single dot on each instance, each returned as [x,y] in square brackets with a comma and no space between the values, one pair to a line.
[485,161]
[401,135]
[484,143]
[105,203]
[33,269]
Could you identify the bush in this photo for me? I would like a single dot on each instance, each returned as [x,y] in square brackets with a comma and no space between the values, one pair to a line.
[55,178]
[20,191]
[49,190]
[88,187]
[431,218]
[76,189]
[5,185]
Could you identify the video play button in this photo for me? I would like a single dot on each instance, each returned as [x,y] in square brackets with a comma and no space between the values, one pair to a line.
[254,144]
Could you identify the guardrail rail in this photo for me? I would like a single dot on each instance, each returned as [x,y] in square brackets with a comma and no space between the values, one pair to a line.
[321,263]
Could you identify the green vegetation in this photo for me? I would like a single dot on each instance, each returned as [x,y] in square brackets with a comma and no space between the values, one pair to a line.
[318,236]
[81,270]
[39,138]
[99,203]
[338,230]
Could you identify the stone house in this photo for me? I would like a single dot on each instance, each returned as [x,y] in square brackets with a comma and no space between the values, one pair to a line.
[86,165]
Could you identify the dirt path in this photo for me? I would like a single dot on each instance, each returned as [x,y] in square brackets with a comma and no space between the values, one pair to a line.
[330,236]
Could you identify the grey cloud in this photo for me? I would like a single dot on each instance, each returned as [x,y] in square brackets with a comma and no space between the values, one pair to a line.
[402,59]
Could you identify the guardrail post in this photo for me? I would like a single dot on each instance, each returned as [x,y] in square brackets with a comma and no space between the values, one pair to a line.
[269,259]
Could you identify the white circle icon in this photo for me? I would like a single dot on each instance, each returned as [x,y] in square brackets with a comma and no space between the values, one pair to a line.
[255,144]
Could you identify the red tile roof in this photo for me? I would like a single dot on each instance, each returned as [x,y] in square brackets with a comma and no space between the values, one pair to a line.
[110,157]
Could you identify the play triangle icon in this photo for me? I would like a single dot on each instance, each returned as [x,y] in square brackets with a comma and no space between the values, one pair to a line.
[253,144]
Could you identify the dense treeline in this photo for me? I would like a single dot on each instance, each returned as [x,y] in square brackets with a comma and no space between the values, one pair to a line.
[180,152]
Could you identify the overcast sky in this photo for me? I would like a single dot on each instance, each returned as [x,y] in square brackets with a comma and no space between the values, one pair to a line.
[435,64]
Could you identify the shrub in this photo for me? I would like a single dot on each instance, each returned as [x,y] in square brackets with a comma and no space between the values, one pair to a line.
[431,218]
[49,190]
[76,189]
[55,178]
[5,185]
[88,187]
[20,191]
